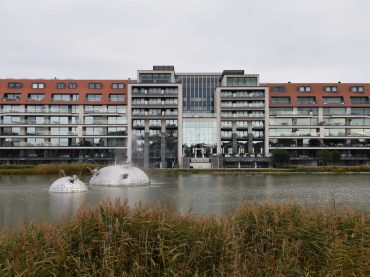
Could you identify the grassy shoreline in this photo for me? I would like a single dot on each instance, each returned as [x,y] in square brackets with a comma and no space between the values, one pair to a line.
[46,169]
[81,168]
[256,240]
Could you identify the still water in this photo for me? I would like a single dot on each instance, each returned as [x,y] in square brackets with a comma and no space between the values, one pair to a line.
[24,198]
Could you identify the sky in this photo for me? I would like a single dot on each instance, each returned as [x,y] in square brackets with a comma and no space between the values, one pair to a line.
[282,40]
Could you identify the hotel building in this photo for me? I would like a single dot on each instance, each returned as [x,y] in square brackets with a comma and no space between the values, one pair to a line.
[168,119]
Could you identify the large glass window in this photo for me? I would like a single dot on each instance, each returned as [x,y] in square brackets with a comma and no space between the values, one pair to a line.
[93,109]
[334,111]
[307,111]
[65,97]
[360,111]
[306,100]
[281,111]
[116,109]
[241,81]
[59,109]
[333,100]
[93,97]
[35,109]
[11,109]
[359,100]
[280,100]
[199,132]
[36,96]
[116,97]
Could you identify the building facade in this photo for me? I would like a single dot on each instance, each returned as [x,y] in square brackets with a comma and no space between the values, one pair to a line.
[165,119]
[63,120]
[308,118]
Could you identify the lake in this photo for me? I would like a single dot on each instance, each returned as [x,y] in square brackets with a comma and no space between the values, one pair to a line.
[24,198]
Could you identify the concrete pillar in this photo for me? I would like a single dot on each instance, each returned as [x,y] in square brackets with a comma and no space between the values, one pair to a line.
[163,149]
[250,138]
[146,144]
[235,143]
[146,150]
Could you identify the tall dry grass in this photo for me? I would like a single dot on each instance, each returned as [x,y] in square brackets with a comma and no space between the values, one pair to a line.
[257,240]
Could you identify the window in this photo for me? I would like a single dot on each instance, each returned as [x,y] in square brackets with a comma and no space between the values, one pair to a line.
[333,100]
[11,109]
[95,85]
[93,109]
[334,111]
[304,89]
[117,109]
[241,81]
[118,85]
[93,97]
[278,89]
[330,88]
[357,88]
[65,97]
[116,97]
[359,100]
[117,120]
[94,131]
[12,97]
[306,100]
[307,111]
[34,108]
[281,111]
[15,85]
[58,109]
[35,96]
[280,100]
[59,120]
[360,111]
[61,85]
[72,85]
[38,85]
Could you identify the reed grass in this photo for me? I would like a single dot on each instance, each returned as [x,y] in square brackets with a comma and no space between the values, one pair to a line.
[256,240]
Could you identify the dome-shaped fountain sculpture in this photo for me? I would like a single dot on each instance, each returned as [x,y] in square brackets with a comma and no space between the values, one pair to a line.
[68,184]
[119,175]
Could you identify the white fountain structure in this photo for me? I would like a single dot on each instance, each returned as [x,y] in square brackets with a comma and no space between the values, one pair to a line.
[68,184]
[119,175]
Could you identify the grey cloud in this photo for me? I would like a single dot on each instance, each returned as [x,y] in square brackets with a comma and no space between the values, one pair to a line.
[296,40]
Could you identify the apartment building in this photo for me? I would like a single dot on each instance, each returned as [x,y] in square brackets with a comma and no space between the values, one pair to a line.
[63,120]
[169,119]
[203,120]
[307,118]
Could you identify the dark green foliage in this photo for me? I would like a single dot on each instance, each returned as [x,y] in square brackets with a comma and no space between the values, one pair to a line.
[280,157]
[257,240]
[329,156]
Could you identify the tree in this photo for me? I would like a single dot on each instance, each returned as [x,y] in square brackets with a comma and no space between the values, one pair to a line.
[328,157]
[280,157]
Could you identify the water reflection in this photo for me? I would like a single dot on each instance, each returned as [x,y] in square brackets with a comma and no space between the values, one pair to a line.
[24,198]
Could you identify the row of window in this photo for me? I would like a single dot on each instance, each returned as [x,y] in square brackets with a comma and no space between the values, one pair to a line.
[63,109]
[313,111]
[17,85]
[325,88]
[64,120]
[326,100]
[64,142]
[63,131]
[63,97]
[286,121]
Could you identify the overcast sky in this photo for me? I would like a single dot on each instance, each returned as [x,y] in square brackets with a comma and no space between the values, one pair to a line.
[282,40]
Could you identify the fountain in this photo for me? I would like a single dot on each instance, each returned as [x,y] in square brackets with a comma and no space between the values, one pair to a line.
[119,175]
[68,184]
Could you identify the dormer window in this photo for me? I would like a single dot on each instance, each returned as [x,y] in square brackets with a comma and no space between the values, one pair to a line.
[304,89]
